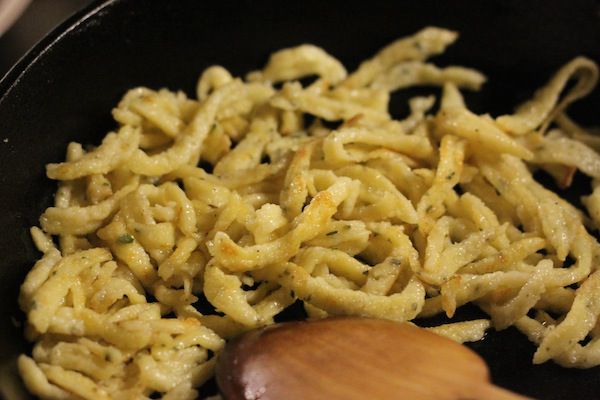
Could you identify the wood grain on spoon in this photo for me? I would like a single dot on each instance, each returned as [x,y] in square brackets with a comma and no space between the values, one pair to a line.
[352,358]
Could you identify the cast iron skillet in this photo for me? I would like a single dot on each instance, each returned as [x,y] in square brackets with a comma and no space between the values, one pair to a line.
[64,88]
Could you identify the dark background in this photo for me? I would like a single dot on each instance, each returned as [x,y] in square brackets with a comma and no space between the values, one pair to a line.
[38,19]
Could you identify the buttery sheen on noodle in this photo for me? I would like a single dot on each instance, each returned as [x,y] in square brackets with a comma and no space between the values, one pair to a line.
[376,217]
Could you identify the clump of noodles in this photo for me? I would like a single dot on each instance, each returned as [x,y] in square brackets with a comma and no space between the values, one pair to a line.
[376,217]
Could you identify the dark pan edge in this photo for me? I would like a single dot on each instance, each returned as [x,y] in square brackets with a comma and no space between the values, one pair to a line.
[22,66]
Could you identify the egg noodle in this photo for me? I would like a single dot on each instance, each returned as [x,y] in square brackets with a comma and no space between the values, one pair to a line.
[263,192]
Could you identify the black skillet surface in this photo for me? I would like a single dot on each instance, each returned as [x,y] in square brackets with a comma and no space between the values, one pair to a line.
[64,88]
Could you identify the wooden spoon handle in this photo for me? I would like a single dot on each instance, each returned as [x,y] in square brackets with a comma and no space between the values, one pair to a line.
[352,359]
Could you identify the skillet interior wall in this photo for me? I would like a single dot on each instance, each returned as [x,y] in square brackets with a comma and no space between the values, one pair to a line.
[67,91]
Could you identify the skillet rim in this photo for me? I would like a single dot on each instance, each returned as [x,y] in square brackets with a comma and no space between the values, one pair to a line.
[47,43]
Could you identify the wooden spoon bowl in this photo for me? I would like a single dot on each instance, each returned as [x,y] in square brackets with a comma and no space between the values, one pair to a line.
[351,358]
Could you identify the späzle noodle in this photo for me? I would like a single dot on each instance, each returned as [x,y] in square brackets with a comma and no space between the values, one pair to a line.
[254,196]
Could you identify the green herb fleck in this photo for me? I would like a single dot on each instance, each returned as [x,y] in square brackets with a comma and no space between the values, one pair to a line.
[331,233]
[125,239]
[395,261]
[292,293]
[365,272]
[450,175]
[33,305]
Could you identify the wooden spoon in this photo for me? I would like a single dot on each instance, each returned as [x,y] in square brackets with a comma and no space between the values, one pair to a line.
[352,358]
